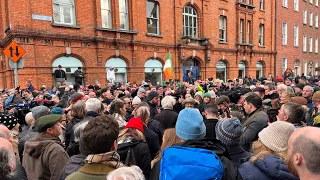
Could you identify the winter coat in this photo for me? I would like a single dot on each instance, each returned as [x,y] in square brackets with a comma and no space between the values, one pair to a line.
[69,134]
[91,114]
[78,76]
[157,128]
[211,128]
[31,134]
[255,122]
[18,174]
[270,167]
[60,74]
[167,118]
[237,154]
[152,140]
[44,157]
[73,165]
[141,154]
[153,110]
[30,88]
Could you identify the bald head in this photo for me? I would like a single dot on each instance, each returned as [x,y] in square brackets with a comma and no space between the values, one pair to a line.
[4,143]
[304,149]
[5,132]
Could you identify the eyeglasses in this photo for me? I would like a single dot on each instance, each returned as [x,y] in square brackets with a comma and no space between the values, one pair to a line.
[128,103]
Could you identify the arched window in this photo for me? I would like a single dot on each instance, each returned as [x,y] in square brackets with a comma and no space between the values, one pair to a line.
[221,72]
[120,69]
[69,65]
[259,70]
[190,22]
[153,71]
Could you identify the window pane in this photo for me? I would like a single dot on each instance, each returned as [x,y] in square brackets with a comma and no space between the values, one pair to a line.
[123,21]
[152,26]
[67,14]
[106,19]
[56,13]
[122,6]
[105,4]
[152,9]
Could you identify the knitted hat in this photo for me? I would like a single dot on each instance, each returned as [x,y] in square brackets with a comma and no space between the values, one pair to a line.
[316,96]
[222,99]
[75,97]
[141,90]
[229,131]
[279,79]
[57,110]
[152,95]
[213,94]
[199,94]
[299,100]
[300,86]
[158,87]
[8,120]
[190,124]
[47,121]
[207,95]
[135,123]
[39,111]
[289,78]
[276,135]
[136,100]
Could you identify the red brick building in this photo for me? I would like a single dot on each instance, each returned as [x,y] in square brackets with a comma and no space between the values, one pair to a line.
[215,38]
[297,36]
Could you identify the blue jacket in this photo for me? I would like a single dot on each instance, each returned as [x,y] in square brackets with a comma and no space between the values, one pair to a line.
[271,167]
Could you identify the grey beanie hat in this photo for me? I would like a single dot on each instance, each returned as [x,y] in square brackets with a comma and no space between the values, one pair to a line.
[39,111]
[229,131]
[141,90]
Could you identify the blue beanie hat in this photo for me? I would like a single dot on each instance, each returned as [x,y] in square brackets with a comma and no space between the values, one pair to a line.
[190,124]
[57,110]
[229,131]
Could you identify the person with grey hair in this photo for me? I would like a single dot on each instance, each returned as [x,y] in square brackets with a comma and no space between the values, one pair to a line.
[167,117]
[292,113]
[93,108]
[26,129]
[76,161]
[126,173]
[307,93]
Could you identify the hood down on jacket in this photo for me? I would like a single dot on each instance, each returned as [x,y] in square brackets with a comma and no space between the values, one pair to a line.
[34,147]
[271,167]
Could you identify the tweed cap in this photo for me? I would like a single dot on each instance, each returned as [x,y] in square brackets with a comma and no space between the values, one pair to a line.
[47,121]
[75,97]
[229,131]
[39,111]
[276,136]
[222,99]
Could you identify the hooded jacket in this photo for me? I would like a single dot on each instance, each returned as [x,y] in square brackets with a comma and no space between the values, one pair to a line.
[271,167]
[44,157]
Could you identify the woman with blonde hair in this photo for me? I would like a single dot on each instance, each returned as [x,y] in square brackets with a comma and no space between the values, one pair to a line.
[132,146]
[286,97]
[269,161]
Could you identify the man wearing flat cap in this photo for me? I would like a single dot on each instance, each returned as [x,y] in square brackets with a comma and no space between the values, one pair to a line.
[44,156]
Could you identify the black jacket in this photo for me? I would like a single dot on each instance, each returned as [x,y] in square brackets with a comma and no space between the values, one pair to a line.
[157,128]
[152,140]
[211,128]
[31,134]
[167,118]
[19,173]
[69,135]
[141,154]
[60,74]
[74,164]
[237,154]
[153,110]
[78,76]
[91,114]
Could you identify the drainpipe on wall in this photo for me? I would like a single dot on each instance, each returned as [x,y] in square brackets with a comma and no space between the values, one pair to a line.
[275,38]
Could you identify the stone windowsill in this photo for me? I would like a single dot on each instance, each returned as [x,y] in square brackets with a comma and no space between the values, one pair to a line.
[65,25]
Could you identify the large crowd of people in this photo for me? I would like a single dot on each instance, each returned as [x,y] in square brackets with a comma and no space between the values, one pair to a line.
[266,128]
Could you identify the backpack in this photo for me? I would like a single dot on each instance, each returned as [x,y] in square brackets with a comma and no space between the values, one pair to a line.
[125,150]
[190,163]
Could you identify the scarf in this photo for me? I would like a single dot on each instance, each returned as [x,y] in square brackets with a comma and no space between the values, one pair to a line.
[110,159]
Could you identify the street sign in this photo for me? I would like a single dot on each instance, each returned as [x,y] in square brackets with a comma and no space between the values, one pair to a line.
[20,64]
[14,51]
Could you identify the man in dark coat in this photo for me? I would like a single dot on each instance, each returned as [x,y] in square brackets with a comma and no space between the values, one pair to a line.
[60,75]
[78,75]
[153,101]
[167,117]
[211,113]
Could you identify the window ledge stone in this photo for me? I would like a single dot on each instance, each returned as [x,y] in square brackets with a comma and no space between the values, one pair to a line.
[261,46]
[154,35]
[65,25]
[116,30]
[223,42]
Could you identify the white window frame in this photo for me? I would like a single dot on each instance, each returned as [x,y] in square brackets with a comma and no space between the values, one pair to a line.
[316,21]
[61,5]
[310,44]
[261,4]
[311,19]
[223,28]
[311,1]
[295,35]
[285,3]
[284,64]
[296,5]
[150,18]
[284,33]
[106,15]
[316,3]
[261,35]
[241,31]
[304,44]
[190,30]
[316,48]
[125,25]
[248,35]
[305,14]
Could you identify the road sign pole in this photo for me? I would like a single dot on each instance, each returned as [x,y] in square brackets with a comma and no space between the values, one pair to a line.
[16,75]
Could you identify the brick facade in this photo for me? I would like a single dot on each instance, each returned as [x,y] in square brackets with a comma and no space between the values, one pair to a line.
[94,45]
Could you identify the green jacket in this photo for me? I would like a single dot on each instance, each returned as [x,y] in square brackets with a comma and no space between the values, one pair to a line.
[92,172]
